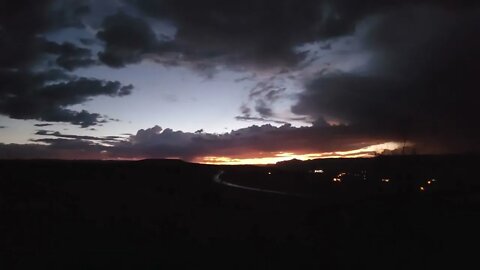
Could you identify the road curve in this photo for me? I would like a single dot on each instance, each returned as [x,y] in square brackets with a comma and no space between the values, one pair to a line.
[218,180]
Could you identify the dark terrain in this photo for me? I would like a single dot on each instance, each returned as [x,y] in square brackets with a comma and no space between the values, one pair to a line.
[168,213]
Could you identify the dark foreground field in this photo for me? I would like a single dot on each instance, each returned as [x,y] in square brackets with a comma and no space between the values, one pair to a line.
[166,213]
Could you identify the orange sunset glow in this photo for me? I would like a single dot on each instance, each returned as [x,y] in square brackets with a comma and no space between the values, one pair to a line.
[272,158]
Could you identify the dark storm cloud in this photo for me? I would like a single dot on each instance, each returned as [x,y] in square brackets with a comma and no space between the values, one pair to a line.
[275,94]
[252,33]
[82,118]
[260,119]
[245,110]
[44,96]
[23,21]
[57,134]
[421,83]
[263,109]
[264,87]
[68,13]
[239,34]
[69,56]
[155,142]
[255,140]
[261,99]
[60,146]
[68,144]
[127,39]
[261,33]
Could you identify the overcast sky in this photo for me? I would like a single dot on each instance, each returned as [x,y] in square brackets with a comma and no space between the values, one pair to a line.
[237,81]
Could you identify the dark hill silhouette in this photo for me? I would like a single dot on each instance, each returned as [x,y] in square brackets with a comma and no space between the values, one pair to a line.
[164,213]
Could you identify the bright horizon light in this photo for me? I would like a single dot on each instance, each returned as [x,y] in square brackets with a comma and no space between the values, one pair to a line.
[365,152]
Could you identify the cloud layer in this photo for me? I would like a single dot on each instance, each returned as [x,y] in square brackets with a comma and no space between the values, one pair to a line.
[420,83]
[45,95]
[155,142]
[30,86]
[417,81]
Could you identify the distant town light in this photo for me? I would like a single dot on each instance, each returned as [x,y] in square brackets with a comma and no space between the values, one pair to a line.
[269,173]
[386,180]
[318,171]
[430,181]
[422,188]
[338,178]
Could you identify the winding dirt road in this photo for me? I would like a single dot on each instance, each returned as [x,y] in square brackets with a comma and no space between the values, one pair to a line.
[218,180]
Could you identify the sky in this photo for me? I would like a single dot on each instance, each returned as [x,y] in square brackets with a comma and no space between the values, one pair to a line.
[235,82]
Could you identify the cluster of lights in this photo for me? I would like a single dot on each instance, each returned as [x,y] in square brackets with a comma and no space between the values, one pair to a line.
[429,182]
[364,172]
[338,178]
[385,180]
[318,171]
